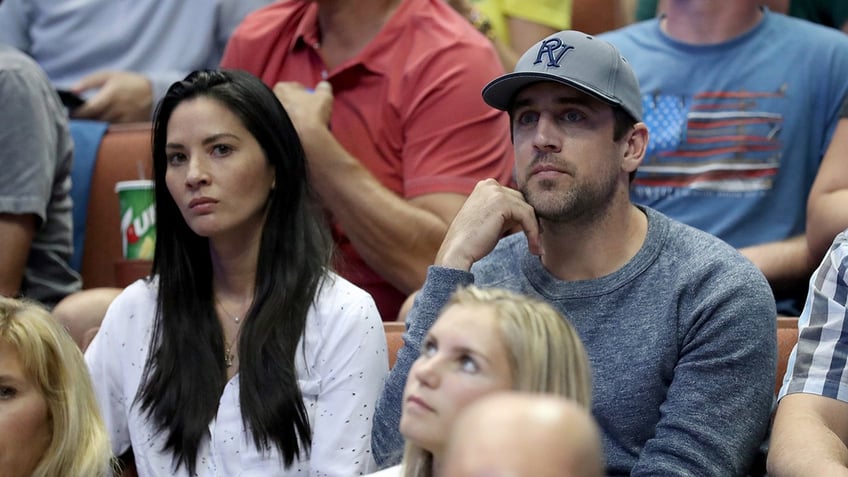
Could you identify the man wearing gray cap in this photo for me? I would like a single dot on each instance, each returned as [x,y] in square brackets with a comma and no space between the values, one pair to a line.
[679,327]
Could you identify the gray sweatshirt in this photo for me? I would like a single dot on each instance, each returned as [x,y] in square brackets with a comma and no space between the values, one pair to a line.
[681,340]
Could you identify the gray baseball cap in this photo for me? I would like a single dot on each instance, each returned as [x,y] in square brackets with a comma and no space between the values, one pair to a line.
[575,59]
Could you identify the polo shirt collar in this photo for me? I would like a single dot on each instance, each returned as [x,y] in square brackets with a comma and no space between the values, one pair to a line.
[307,33]
[373,56]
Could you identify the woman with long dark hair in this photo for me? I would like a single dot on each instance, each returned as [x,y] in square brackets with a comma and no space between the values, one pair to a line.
[243,353]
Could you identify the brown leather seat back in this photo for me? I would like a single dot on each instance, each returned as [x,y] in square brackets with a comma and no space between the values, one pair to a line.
[124,154]
[394,338]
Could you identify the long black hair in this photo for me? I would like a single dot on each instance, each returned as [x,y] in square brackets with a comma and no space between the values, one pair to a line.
[185,372]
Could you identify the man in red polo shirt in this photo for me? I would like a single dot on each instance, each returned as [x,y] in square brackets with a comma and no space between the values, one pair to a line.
[386,97]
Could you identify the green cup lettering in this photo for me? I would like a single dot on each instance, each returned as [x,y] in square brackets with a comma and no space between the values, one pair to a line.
[138,219]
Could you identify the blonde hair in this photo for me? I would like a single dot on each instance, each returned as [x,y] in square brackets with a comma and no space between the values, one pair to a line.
[543,349]
[79,445]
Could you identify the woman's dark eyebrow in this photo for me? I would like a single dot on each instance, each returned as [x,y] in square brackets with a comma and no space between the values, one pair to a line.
[217,137]
[209,140]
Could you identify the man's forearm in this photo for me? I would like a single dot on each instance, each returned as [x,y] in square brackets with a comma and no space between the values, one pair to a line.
[394,236]
[787,264]
[826,217]
[803,445]
[387,441]
[809,465]
[16,235]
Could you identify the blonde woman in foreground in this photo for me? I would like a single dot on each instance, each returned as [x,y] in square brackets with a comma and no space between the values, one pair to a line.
[486,340]
[50,424]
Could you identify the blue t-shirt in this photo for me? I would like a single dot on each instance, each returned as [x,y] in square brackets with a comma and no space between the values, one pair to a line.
[832,13]
[737,129]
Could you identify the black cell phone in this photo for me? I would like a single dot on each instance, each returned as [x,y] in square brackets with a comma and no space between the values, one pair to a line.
[70,99]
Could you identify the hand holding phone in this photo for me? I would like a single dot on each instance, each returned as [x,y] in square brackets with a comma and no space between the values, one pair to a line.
[70,99]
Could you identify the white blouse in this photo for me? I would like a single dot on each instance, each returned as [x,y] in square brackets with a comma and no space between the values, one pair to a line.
[341,366]
[388,472]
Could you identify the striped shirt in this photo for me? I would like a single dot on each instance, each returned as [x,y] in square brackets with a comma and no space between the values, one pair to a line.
[817,365]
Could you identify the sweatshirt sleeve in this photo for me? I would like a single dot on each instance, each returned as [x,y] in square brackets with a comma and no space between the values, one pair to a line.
[386,440]
[717,408]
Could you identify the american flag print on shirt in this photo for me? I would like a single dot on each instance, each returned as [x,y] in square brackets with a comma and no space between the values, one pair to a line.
[716,142]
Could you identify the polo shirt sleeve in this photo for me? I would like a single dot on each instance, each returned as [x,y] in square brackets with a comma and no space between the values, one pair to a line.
[452,139]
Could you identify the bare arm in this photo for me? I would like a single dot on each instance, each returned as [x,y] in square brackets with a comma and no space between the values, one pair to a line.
[398,238]
[786,264]
[826,211]
[809,437]
[16,234]
[395,237]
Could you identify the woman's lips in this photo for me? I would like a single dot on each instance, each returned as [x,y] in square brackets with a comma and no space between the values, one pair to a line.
[201,201]
[418,402]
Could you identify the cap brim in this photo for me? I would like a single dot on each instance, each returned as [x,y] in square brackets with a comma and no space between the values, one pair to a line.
[501,91]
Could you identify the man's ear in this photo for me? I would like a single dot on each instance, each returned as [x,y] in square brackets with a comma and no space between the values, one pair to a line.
[636,143]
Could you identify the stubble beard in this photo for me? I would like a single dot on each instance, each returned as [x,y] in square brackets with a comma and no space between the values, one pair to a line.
[579,204]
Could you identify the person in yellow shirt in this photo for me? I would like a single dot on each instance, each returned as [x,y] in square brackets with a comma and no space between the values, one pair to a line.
[515,25]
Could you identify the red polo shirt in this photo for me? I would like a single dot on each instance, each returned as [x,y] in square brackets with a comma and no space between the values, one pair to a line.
[408,106]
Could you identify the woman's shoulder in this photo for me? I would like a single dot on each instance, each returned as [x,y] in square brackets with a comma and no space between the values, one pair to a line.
[142,292]
[134,307]
[336,292]
[344,331]
[340,303]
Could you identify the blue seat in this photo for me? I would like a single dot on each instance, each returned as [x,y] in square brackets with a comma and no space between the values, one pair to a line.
[87,136]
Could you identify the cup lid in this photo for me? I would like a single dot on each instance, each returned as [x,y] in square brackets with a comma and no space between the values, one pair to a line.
[133,185]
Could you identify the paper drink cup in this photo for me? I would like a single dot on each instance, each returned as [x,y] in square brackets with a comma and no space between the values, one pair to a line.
[138,219]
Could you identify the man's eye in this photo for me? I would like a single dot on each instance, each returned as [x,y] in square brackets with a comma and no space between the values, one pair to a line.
[573,116]
[527,118]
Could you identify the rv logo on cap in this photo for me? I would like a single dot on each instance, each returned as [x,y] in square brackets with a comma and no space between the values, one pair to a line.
[555,49]
[594,67]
